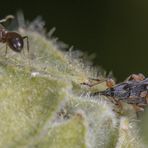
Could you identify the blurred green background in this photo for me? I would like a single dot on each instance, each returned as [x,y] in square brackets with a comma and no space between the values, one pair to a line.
[116,31]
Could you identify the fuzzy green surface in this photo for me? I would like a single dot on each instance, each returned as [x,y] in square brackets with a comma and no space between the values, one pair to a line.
[41,103]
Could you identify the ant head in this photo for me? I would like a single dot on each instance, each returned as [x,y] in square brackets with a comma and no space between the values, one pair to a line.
[15,41]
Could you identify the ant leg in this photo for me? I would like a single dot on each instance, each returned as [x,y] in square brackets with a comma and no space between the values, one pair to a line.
[26,37]
[136,77]
[7,18]
[6,49]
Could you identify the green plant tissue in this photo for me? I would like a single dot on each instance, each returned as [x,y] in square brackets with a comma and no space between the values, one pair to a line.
[44,105]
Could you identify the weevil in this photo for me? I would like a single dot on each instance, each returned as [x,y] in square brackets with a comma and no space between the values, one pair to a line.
[12,39]
[134,91]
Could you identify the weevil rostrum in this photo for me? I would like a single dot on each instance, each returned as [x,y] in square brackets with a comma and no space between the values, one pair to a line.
[134,91]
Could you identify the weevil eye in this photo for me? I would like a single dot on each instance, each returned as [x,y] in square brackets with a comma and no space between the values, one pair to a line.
[15,41]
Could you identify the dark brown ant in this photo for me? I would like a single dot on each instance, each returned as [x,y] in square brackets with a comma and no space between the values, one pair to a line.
[12,39]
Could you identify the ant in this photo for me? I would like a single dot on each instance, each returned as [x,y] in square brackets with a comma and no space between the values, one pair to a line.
[134,91]
[12,39]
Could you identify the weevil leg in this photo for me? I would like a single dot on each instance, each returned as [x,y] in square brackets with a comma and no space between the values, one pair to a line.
[146,99]
[7,18]
[137,108]
[132,98]
[143,94]
[109,82]
[118,103]
[95,79]
[136,77]
[91,84]
[85,83]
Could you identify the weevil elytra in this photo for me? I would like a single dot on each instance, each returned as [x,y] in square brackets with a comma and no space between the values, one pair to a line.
[134,91]
[12,39]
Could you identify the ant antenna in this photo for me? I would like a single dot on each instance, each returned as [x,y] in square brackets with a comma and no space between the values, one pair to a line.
[7,18]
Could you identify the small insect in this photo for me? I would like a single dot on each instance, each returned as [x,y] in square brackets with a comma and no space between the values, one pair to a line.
[12,39]
[134,91]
